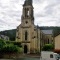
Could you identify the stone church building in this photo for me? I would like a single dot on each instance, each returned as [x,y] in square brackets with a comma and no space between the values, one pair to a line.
[27,33]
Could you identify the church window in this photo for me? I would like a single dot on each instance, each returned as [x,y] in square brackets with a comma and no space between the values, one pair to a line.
[48,41]
[26,22]
[25,12]
[28,13]
[34,36]
[26,35]
[34,29]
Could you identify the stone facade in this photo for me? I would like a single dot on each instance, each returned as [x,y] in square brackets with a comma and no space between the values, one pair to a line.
[27,32]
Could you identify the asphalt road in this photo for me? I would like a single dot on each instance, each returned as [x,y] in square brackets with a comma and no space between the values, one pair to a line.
[25,58]
[28,58]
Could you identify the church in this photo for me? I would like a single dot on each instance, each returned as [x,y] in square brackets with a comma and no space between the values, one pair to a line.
[27,33]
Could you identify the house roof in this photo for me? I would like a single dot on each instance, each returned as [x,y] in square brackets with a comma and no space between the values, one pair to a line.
[47,31]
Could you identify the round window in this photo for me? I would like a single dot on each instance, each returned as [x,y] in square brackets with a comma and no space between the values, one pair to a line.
[26,22]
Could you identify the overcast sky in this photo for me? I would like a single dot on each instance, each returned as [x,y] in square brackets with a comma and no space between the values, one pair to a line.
[46,13]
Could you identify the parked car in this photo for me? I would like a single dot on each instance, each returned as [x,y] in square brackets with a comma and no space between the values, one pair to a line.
[48,55]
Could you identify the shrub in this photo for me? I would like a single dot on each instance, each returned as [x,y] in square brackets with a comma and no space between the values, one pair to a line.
[9,47]
[17,43]
[47,47]
[2,43]
[20,50]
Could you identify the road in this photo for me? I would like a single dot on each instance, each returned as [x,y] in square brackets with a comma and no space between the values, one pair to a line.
[27,58]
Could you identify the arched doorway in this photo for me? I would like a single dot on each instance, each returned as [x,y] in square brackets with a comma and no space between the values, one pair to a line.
[25,48]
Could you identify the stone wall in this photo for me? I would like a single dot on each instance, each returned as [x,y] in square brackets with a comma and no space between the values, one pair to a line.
[10,55]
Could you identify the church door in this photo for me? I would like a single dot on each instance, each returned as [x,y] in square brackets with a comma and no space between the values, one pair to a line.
[25,48]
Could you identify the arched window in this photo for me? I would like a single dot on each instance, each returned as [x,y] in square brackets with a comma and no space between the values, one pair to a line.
[28,13]
[26,35]
[48,41]
[25,12]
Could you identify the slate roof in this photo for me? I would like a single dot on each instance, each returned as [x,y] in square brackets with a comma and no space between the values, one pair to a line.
[47,31]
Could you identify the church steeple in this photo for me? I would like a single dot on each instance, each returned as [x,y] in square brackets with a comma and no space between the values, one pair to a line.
[28,2]
[28,10]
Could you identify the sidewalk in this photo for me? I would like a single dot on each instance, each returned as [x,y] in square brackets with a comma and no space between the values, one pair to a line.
[32,55]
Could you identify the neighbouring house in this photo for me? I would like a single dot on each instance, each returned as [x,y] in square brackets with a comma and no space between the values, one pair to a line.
[4,37]
[48,36]
[57,43]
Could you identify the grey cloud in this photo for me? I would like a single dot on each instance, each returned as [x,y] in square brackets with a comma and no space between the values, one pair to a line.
[49,11]
[2,22]
[14,13]
[16,1]
[11,13]
[36,1]
[50,8]
[40,15]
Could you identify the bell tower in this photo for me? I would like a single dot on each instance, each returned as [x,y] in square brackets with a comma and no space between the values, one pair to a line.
[27,11]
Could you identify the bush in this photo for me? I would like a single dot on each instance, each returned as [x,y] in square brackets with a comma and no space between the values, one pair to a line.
[17,43]
[2,43]
[9,47]
[20,50]
[47,47]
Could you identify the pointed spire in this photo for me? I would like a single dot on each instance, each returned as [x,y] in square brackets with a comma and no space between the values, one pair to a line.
[28,2]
